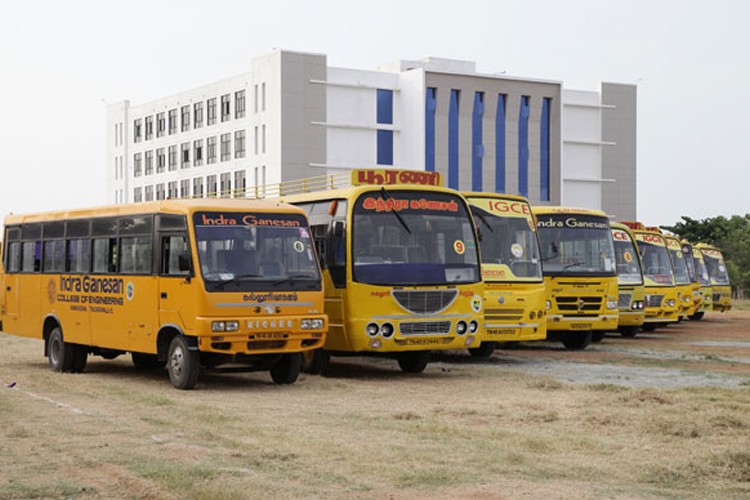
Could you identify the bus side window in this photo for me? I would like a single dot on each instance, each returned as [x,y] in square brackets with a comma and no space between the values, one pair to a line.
[14,257]
[105,255]
[175,259]
[336,252]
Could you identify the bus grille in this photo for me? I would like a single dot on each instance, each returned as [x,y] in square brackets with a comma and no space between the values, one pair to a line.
[499,314]
[425,328]
[425,301]
[623,301]
[654,300]
[579,306]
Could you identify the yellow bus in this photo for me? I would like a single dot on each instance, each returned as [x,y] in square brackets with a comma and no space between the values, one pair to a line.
[706,292]
[658,275]
[514,293]
[682,280]
[631,288]
[187,283]
[578,263]
[717,272]
[697,293]
[400,267]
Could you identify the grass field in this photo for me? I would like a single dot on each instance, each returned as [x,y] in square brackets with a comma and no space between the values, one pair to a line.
[460,430]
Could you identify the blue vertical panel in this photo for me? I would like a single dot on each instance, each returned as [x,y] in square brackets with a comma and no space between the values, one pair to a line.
[453,140]
[544,151]
[477,148]
[500,145]
[385,147]
[385,106]
[523,147]
[429,129]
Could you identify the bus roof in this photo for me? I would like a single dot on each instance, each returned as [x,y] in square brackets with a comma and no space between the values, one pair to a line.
[547,210]
[163,206]
[500,196]
[354,191]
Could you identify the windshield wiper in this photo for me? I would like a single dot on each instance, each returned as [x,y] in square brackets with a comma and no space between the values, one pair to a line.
[293,277]
[393,211]
[482,217]
[233,279]
[573,264]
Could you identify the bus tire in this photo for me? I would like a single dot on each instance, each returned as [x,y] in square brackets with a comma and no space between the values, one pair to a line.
[597,336]
[629,331]
[577,341]
[80,357]
[146,361]
[182,363]
[413,361]
[60,353]
[484,351]
[316,361]
[286,370]
[649,327]
[697,316]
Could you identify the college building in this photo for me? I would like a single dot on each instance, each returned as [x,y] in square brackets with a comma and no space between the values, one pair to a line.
[291,116]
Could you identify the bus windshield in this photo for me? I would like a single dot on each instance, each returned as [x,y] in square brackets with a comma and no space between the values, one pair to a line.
[402,237]
[681,274]
[255,252]
[700,270]
[717,270]
[576,245]
[509,247]
[687,253]
[628,263]
[656,264]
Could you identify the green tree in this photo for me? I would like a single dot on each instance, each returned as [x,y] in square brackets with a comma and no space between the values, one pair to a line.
[730,235]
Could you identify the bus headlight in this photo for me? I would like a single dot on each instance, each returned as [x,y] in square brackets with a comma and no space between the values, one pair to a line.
[671,303]
[225,326]
[548,304]
[532,315]
[637,304]
[372,329]
[386,330]
[473,326]
[311,324]
[461,327]
[686,299]
[611,304]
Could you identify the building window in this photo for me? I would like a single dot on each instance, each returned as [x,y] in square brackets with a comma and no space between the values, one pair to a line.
[161,161]
[198,114]
[225,111]
[149,164]
[255,103]
[198,187]
[160,191]
[137,164]
[185,160]
[137,132]
[211,186]
[477,146]
[523,146]
[198,152]
[429,129]
[137,195]
[500,144]
[263,138]
[385,147]
[239,104]
[172,189]
[149,193]
[225,186]
[453,139]
[256,139]
[239,183]
[544,150]
[239,144]
[211,119]
[263,96]
[385,106]
[185,118]
[172,121]
[161,125]
[172,158]
[149,128]
[211,150]
[185,188]
[226,151]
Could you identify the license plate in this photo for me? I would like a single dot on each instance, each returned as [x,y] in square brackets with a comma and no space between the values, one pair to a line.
[500,331]
[580,326]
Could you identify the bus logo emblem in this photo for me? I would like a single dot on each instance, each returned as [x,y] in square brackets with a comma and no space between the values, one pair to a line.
[130,290]
[51,291]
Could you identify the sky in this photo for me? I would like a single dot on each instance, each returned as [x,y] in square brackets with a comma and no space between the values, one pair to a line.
[61,62]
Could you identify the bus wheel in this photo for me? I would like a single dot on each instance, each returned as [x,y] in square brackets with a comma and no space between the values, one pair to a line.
[182,364]
[316,361]
[597,336]
[649,327]
[628,331]
[286,370]
[413,361]
[697,316]
[484,351]
[146,361]
[577,341]
[61,354]
[80,357]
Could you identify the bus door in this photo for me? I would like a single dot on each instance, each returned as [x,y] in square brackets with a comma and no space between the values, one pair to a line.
[175,279]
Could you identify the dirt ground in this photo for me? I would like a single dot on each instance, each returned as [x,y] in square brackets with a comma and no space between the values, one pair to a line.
[662,415]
